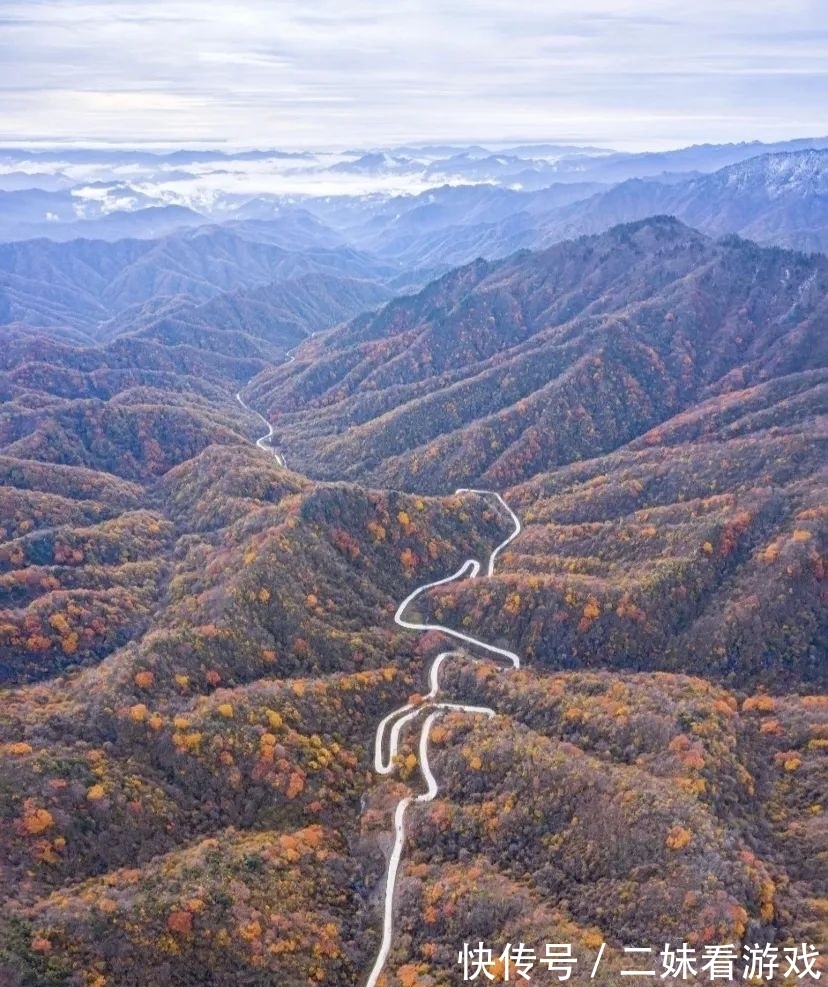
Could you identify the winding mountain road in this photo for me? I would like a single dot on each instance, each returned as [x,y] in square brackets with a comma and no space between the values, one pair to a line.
[264,441]
[395,721]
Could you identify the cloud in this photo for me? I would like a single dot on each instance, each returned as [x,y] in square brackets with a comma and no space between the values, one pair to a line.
[368,72]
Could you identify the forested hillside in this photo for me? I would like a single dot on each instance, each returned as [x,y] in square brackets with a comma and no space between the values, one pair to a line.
[197,645]
[500,371]
[654,401]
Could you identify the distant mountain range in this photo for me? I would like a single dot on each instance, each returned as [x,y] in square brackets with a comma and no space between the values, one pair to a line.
[67,194]
[175,259]
[84,285]
[777,198]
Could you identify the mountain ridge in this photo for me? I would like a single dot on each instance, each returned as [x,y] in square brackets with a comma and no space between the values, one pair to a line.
[197,645]
[420,347]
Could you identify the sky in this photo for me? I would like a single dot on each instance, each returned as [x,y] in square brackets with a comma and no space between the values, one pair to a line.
[369,73]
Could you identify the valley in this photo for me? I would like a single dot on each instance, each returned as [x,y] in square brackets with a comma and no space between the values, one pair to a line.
[370,586]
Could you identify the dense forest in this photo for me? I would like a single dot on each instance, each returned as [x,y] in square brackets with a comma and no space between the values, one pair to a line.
[653,401]
[197,644]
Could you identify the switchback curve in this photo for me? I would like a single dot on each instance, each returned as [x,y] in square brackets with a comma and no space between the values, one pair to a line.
[398,718]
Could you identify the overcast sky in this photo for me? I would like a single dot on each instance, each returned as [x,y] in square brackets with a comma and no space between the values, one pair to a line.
[311,73]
